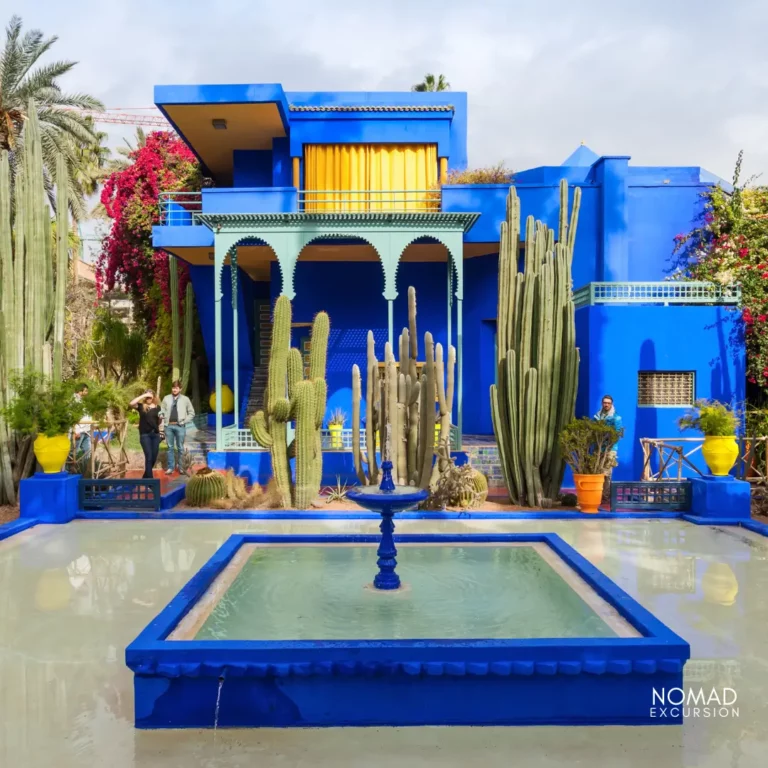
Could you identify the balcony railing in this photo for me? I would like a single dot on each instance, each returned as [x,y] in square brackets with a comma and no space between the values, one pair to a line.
[235,439]
[668,292]
[369,201]
[180,209]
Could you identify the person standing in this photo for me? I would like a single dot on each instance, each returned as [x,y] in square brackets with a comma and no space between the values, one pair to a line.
[150,416]
[607,414]
[177,414]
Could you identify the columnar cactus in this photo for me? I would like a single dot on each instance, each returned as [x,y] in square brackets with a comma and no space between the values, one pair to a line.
[32,295]
[181,363]
[537,358]
[290,397]
[401,407]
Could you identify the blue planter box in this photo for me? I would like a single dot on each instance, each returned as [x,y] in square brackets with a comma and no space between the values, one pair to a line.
[590,681]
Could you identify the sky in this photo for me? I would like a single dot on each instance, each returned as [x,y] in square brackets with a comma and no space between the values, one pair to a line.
[668,82]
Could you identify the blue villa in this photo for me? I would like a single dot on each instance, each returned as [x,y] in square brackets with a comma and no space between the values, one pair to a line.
[340,201]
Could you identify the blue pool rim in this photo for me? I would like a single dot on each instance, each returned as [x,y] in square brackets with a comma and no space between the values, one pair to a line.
[150,653]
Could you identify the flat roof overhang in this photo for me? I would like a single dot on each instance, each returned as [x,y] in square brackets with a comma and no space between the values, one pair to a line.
[254,115]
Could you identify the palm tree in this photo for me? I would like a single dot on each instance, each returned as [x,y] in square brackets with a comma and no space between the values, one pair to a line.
[431,84]
[64,128]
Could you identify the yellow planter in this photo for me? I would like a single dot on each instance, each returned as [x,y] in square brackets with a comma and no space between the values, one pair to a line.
[337,442]
[720,585]
[51,452]
[227,400]
[720,453]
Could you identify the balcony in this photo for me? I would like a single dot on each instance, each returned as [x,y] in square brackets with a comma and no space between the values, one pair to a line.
[183,209]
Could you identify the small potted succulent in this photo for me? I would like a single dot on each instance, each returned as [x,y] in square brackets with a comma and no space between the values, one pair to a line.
[336,422]
[48,410]
[588,448]
[718,422]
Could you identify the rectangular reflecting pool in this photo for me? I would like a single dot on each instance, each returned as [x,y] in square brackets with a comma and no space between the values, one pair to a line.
[497,629]
[312,592]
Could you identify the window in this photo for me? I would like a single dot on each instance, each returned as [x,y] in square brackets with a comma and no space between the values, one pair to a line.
[665,388]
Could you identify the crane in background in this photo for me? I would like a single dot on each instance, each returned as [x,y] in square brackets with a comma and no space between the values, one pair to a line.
[121,116]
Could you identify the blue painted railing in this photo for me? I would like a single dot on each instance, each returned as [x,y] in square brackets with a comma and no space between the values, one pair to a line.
[665,292]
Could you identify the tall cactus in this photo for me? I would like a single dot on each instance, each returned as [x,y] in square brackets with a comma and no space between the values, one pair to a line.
[401,407]
[62,266]
[290,397]
[181,363]
[32,303]
[537,359]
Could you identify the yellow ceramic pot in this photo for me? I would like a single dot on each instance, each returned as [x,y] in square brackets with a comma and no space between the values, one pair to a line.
[51,452]
[227,400]
[720,585]
[337,442]
[720,453]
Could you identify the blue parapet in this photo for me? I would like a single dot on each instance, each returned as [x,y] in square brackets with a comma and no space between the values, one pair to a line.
[720,497]
[51,498]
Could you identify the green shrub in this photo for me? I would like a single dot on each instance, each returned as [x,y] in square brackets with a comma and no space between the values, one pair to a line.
[42,406]
[493,174]
[587,446]
[712,418]
[568,499]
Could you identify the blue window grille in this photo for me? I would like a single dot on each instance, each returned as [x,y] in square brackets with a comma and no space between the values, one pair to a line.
[659,496]
[120,493]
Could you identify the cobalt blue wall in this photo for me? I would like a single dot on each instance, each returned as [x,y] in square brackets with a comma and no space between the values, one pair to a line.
[655,215]
[323,286]
[252,168]
[446,129]
[539,200]
[618,341]
[480,307]
[202,282]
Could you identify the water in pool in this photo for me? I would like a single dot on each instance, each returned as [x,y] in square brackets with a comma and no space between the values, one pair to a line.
[452,592]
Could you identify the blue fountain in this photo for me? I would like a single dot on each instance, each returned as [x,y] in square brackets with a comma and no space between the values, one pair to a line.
[387,499]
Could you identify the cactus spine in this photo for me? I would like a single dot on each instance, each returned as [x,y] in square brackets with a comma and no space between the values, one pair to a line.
[537,359]
[291,397]
[402,405]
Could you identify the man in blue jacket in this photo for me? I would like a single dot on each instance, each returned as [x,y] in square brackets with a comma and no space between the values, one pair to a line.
[607,413]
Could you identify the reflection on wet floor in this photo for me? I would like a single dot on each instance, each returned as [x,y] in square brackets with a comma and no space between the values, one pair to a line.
[72,597]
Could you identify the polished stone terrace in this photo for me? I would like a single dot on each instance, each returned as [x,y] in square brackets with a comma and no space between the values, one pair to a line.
[72,597]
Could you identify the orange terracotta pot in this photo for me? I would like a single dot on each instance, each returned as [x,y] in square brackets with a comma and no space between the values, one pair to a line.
[589,492]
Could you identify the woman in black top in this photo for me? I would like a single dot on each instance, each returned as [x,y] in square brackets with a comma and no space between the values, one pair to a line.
[148,406]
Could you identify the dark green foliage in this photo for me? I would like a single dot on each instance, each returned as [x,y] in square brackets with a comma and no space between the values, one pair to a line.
[710,417]
[42,406]
[587,446]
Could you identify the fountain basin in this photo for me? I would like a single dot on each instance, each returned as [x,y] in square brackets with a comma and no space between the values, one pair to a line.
[401,499]
[494,629]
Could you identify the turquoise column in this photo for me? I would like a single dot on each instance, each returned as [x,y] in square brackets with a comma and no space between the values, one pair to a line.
[235,337]
[450,298]
[222,244]
[456,254]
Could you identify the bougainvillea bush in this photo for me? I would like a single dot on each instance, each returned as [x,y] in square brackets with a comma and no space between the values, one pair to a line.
[731,247]
[130,198]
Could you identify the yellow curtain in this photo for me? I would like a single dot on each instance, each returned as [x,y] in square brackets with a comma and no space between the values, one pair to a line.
[370,177]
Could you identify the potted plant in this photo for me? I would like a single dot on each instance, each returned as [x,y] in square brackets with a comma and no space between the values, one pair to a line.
[336,422]
[588,449]
[718,422]
[48,410]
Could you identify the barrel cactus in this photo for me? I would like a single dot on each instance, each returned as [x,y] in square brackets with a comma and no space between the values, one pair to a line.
[475,492]
[204,487]
[537,359]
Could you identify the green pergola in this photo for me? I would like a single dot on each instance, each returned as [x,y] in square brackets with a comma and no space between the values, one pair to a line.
[287,234]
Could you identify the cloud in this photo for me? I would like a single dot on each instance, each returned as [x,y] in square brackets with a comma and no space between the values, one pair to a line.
[665,81]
